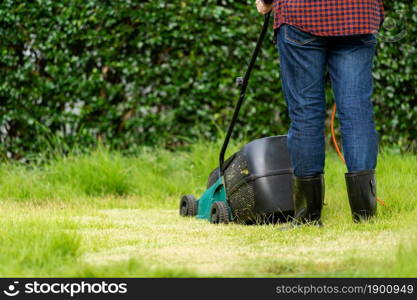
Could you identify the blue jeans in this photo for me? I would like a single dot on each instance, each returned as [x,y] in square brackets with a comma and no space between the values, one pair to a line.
[304,60]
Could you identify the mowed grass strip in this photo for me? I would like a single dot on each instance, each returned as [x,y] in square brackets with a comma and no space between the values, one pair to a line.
[104,214]
[340,248]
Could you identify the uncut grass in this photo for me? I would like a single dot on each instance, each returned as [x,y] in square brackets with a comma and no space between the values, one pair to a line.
[50,241]
[34,246]
[103,214]
[157,178]
[153,178]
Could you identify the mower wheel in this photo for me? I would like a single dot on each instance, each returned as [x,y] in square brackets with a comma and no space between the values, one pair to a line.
[219,213]
[188,206]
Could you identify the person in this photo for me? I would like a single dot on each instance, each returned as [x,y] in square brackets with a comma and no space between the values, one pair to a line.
[339,38]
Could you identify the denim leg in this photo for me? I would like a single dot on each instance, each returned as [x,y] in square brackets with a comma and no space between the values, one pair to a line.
[303,65]
[350,67]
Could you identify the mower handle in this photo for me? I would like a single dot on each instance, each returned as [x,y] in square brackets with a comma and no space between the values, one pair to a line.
[243,83]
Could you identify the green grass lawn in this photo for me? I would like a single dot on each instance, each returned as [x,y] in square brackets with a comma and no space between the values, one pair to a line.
[102,214]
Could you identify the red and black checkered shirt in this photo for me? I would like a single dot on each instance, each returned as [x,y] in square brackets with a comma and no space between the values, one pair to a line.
[330,17]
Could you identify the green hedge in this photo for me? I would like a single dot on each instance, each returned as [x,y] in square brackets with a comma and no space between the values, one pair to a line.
[162,72]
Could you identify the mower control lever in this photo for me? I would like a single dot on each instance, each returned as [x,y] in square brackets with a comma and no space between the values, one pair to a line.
[243,83]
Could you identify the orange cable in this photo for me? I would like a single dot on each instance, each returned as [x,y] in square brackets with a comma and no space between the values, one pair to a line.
[336,145]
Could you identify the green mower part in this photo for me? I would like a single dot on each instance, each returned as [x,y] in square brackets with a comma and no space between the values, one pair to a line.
[212,205]
[206,207]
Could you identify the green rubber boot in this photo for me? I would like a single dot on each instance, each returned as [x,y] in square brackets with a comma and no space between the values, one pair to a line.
[308,199]
[361,189]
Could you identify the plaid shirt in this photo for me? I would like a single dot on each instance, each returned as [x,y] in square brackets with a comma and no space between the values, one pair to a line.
[330,17]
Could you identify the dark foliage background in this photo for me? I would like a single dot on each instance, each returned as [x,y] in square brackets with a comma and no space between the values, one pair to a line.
[133,73]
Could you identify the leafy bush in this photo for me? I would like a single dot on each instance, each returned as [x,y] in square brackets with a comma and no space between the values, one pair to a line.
[148,72]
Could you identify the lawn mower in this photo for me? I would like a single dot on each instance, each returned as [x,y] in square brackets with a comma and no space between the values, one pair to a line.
[252,186]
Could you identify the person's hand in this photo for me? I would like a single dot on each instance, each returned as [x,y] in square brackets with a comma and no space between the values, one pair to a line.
[262,7]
